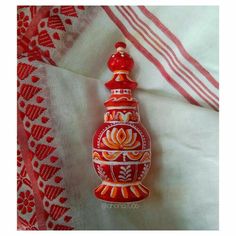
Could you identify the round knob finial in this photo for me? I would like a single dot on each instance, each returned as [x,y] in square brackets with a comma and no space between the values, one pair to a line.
[120,46]
[120,60]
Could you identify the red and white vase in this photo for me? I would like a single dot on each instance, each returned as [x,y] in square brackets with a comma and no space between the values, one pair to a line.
[121,145]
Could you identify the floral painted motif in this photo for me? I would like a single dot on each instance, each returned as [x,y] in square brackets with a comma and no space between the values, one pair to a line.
[111,156]
[121,116]
[146,157]
[96,156]
[102,173]
[121,139]
[134,155]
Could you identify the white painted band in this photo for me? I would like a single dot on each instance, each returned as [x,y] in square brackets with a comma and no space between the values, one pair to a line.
[121,91]
[120,163]
[103,150]
[120,185]
[121,72]
[121,107]
[122,122]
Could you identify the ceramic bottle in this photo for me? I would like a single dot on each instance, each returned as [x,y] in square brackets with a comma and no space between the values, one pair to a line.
[121,145]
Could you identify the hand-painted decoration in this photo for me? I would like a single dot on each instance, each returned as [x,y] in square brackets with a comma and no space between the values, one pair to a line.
[121,146]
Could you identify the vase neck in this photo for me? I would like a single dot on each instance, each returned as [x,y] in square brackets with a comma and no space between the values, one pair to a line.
[121,107]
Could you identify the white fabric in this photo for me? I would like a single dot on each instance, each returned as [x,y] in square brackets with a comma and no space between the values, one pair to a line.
[184,175]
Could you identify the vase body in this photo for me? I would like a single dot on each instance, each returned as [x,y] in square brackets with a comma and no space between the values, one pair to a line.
[121,145]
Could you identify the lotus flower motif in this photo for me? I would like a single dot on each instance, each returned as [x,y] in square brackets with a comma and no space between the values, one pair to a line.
[120,139]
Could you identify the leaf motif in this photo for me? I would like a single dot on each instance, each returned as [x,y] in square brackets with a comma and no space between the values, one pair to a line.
[123,168]
[102,173]
[121,177]
[125,173]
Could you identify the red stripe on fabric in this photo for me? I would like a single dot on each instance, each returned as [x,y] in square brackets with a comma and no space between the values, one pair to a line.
[171,66]
[132,39]
[23,42]
[180,46]
[173,53]
[33,10]
[28,156]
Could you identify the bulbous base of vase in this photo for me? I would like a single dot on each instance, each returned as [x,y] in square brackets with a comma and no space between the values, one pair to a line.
[118,192]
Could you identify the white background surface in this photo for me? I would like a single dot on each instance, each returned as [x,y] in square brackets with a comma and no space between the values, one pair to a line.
[184,175]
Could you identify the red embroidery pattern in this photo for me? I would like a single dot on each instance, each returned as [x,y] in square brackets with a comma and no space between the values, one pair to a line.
[54,33]
[43,35]
[23,23]
[27,225]
[25,199]
[45,159]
